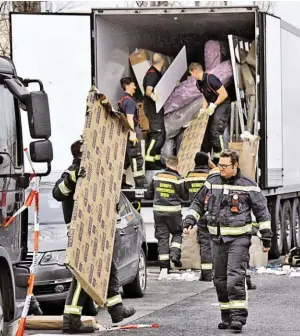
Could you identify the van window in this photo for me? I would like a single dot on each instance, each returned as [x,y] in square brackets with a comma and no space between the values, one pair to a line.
[8,128]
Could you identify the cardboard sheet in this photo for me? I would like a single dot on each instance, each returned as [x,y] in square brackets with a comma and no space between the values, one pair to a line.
[92,230]
[191,143]
[54,322]
[171,78]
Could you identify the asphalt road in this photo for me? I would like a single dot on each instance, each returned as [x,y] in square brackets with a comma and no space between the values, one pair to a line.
[190,308]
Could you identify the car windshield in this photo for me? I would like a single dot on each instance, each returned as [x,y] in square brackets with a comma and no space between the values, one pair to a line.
[50,210]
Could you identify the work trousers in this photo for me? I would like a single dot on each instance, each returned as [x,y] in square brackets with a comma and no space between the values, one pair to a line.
[134,158]
[157,134]
[77,296]
[205,248]
[213,138]
[230,261]
[167,223]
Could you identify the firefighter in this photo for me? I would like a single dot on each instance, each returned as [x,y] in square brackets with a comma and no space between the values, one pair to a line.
[63,191]
[228,199]
[157,134]
[193,182]
[217,103]
[167,190]
[133,156]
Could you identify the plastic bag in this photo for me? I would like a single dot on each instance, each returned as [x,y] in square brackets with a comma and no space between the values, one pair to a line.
[224,72]
[214,52]
[182,95]
[167,150]
[176,120]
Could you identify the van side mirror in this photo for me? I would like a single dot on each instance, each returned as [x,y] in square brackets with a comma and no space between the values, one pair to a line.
[41,151]
[38,115]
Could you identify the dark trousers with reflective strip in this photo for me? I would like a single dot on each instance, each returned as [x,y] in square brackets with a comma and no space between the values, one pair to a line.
[205,247]
[77,296]
[134,158]
[213,138]
[167,223]
[157,134]
[230,261]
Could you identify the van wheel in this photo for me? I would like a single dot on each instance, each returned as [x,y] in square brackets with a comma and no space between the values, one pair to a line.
[296,222]
[287,226]
[277,228]
[1,316]
[137,288]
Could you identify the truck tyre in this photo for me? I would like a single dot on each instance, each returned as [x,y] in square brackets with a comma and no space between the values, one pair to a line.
[287,226]
[1,316]
[277,229]
[296,222]
[137,288]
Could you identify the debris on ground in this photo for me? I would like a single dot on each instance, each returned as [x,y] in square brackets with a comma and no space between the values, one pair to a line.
[179,275]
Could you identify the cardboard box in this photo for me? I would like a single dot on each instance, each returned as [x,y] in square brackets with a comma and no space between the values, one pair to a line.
[191,143]
[143,120]
[141,61]
[92,230]
[248,156]
[55,322]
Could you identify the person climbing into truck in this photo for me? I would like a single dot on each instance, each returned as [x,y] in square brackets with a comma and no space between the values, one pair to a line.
[133,158]
[228,199]
[167,192]
[194,180]
[217,103]
[63,191]
[157,133]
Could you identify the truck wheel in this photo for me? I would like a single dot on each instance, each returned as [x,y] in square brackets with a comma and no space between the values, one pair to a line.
[1,316]
[137,288]
[296,222]
[287,226]
[277,228]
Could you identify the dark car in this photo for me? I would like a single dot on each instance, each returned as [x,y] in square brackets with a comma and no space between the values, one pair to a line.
[53,279]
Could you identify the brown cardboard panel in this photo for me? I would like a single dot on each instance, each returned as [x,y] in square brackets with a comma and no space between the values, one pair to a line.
[92,230]
[191,143]
[139,56]
[54,322]
[143,120]
[248,156]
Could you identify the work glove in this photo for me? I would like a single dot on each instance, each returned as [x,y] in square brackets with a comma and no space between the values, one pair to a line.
[154,96]
[133,138]
[189,221]
[211,108]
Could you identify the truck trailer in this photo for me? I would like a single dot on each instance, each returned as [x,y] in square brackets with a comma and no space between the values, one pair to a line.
[15,97]
[103,40]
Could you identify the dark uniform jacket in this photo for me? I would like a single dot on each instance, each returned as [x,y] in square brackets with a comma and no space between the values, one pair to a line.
[228,203]
[64,189]
[128,105]
[195,180]
[167,190]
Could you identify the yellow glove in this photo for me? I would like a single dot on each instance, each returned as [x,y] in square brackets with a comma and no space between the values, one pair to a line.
[211,108]
[133,138]
[154,96]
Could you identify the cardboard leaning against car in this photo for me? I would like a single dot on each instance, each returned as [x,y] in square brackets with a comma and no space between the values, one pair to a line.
[92,230]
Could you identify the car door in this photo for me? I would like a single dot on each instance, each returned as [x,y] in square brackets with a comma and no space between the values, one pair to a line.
[127,235]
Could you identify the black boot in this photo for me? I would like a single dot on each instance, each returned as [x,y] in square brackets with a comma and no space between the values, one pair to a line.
[176,262]
[251,286]
[124,183]
[118,312]
[72,325]
[224,325]
[206,276]
[237,326]
[34,308]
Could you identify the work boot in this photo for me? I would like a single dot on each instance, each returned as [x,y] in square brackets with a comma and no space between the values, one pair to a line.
[72,325]
[36,311]
[236,326]
[124,183]
[118,312]
[176,262]
[224,325]
[206,276]
[251,286]
[34,308]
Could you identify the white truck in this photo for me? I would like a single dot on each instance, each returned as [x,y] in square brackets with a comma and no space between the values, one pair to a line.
[69,50]
[15,97]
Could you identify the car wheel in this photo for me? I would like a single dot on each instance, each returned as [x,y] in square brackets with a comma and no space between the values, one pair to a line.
[1,316]
[90,307]
[138,287]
